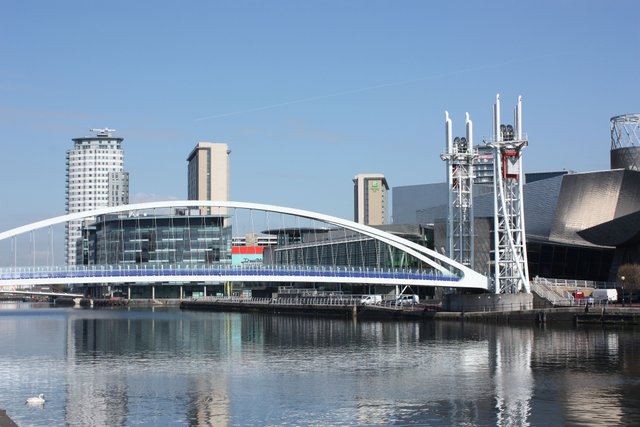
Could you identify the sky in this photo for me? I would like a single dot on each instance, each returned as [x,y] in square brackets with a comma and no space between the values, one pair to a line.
[307,94]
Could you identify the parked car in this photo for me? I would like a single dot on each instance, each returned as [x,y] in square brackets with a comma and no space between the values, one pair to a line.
[407,299]
[371,299]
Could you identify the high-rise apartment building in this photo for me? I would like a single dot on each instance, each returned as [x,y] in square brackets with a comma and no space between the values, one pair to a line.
[95,178]
[370,199]
[209,174]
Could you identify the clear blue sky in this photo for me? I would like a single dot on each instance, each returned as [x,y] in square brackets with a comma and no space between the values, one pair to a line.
[306,93]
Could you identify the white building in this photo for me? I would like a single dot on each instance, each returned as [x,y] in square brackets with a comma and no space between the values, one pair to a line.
[370,194]
[95,178]
[209,174]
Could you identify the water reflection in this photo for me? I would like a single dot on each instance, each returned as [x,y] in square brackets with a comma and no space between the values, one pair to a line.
[166,367]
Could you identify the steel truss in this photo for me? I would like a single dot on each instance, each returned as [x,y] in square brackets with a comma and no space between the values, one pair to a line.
[460,156]
[511,272]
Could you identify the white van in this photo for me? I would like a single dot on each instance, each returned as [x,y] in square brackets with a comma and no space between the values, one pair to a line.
[407,299]
[371,299]
[605,295]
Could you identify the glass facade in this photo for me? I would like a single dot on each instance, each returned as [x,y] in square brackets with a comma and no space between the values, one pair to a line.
[547,259]
[193,239]
[341,248]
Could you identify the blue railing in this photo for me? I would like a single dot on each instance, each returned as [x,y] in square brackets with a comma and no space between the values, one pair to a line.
[154,270]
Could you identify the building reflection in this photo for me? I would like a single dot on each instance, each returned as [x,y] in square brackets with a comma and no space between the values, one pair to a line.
[583,361]
[513,376]
[112,361]
[211,368]
[488,373]
[209,401]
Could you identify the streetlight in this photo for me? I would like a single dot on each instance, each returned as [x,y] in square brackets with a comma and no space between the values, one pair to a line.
[622,289]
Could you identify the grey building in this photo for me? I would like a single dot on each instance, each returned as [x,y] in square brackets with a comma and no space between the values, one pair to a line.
[578,225]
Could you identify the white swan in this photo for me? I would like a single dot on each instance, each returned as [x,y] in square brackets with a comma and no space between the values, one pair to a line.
[36,400]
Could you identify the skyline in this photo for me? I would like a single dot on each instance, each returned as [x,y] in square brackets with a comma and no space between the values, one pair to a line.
[306,95]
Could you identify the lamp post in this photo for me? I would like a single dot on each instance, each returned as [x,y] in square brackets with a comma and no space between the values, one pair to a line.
[622,289]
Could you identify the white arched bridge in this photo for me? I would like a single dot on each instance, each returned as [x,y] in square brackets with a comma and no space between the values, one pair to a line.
[191,242]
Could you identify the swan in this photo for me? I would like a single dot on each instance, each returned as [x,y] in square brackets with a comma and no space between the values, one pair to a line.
[36,400]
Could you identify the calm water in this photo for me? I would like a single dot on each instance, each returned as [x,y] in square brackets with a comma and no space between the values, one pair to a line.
[175,368]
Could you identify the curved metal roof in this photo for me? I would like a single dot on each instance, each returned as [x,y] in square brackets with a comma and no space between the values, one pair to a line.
[622,231]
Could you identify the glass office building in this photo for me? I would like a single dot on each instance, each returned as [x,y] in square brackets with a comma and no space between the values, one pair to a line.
[171,239]
[340,247]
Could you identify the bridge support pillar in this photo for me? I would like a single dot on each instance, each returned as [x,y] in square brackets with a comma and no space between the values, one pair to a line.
[128,291]
[204,291]
[153,292]
[181,294]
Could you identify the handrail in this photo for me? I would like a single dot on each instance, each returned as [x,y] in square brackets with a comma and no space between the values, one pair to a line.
[125,270]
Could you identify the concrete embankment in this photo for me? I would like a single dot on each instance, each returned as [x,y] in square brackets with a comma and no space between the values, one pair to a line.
[572,316]
[122,302]
[326,310]
[5,421]
[552,316]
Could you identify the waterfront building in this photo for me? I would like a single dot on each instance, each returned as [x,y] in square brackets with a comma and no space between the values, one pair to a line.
[578,225]
[408,200]
[158,239]
[317,246]
[95,178]
[339,247]
[181,238]
[209,174]
[370,199]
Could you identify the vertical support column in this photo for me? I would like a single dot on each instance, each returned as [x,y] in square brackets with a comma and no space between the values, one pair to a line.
[469,220]
[450,184]
[511,273]
[153,292]
[460,156]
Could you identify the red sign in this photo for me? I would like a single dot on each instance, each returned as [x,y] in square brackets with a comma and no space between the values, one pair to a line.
[247,250]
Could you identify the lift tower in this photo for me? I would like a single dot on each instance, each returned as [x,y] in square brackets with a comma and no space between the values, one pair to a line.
[511,273]
[460,156]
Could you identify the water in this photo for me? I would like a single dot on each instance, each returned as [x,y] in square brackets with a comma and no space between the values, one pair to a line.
[143,367]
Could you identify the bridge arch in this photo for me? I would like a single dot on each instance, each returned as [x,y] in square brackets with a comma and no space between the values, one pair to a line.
[468,277]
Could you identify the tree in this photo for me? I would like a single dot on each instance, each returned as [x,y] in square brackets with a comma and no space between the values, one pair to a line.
[629,278]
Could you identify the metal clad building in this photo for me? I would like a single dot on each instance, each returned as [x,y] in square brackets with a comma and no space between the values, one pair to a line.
[558,207]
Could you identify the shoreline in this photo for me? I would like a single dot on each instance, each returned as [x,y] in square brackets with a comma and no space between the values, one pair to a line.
[610,314]
[572,315]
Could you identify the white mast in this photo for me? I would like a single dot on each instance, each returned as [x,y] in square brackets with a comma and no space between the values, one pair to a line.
[459,157]
[511,272]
